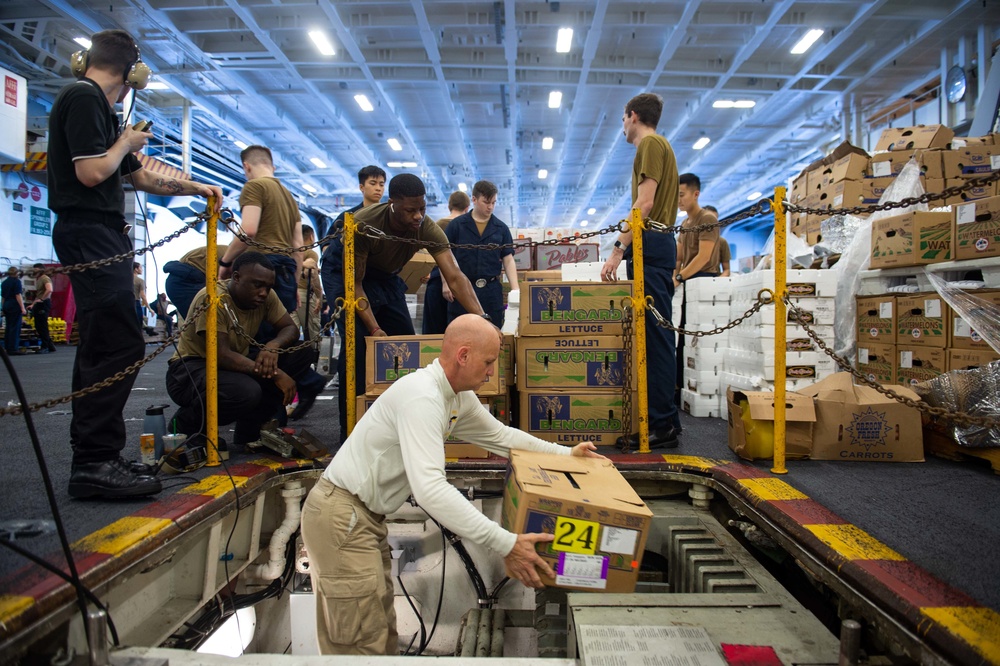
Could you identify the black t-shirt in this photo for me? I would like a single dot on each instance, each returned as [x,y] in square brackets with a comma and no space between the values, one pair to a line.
[83,125]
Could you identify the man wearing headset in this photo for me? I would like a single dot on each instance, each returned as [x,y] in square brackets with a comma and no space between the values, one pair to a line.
[89,156]
[376,264]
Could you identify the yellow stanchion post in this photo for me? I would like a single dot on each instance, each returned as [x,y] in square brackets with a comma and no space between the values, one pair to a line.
[637,224]
[212,340]
[780,322]
[350,343]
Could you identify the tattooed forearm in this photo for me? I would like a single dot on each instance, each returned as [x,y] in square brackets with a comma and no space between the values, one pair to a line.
[170,185]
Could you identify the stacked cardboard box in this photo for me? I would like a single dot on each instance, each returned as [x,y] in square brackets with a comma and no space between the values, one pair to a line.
[748,362]
[835,181]
[570,361]
[708,300]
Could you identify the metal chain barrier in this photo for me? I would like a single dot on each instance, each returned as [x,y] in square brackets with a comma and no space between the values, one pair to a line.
[908,201]
[117,377]
[226,217]
[334,316]
[627,334]
[763,298]
[960,418]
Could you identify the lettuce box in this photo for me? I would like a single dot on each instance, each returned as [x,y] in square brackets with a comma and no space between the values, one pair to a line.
[388,359]
[599,522]
[571,417]
[859,423]
[576,308]
[579,362]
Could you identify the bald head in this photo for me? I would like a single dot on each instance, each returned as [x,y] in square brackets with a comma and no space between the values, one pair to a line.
[469,352]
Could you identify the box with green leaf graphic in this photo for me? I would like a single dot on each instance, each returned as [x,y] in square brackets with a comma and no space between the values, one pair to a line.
[922,320]
[918,364]
[577,362]
[571,417]
[877,319]
[388,359]
[911,239]
[573,308]
[977,229]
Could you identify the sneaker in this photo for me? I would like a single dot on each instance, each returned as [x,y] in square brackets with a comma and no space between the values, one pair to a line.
[109,479]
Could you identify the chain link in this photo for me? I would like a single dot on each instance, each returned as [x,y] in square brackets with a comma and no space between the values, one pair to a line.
[377,234]
[117,377]
[904,203]
[240,331]
[960,418]
[762,300]
[226,217]
[628,332]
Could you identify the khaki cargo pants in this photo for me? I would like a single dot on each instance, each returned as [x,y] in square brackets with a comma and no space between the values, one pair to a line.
[350,565]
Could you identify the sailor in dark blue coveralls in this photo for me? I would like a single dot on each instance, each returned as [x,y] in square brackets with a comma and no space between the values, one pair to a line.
[483,267]
[376,265]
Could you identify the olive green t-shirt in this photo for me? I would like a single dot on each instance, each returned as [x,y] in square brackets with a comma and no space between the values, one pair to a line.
[40,283]
[724,253]
[654,158]
[138,287]
[198,257]
[192,342]
[279,213]
[689,241]
[387,255]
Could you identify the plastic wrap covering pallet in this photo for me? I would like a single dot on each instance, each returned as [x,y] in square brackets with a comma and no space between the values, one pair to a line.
[894,280]
[943,446]
[975,391]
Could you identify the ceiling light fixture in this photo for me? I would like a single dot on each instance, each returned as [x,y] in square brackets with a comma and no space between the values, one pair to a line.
[807,41]
[547,143]
[723,104]
[395,144]
[322,42]
[701,143]
[157,85]
[744,104]
[591,211]
[364,103]
[239,144]
[564,39]
[584,223]
[401,165]
[409,165]
[82,41]
[309,188]
[543,174]
[555,99]
[462,187]
[320,164]
[755,196]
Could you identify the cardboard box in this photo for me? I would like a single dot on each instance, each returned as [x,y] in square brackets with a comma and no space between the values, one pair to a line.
[505,364]
[915,364]
[922,319]
[800,187]
[523,255]
[850,167]
[877,361]
[541,276]
[457,451]
[600,523]
[963,141]
[977,229]
[859,423]
[578,308]
[571,417]
[877,319]
[911,138]
[751,424]
[388,359]
[911,239]
[847,193]
[967,359]
[874,188]
[964,336]
[968,161]
[550,257]
[417,268]
[572,363]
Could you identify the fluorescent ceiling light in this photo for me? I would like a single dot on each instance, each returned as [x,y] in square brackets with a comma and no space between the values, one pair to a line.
[395,144]
[239,144]
[157,85]
[320,164]
[409,165]
[401,165]
[322,42]
[364,103]
[755,196]
[462,187]
[543,174]
[309,188]
[591,211]
[807,41]
[564,40]
[82,41]
[547,143]
[701,143]
[744,104]
[555,99]
[584,223]
[730,104]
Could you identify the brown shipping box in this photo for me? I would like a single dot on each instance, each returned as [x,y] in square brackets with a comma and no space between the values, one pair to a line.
[417,268]
[800,187]
[505,364]
[968,161]
[922,319]
[874,188]
[911,239]
[388,359]
[849,167]
[599,522]
[915,364]
[877,319]
[977,229]
[550,257]
[570,363]
[973,194]
[967,359]
[964,336]
[911,138]
[752,438]
[859,423]
[571,417]
[877,362]
[575,308]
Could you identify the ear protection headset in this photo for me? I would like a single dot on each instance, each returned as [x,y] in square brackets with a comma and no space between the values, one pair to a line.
[135,76]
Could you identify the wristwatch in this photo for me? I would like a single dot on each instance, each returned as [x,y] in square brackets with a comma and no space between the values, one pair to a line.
[680,278]
[619,245]
[486,317]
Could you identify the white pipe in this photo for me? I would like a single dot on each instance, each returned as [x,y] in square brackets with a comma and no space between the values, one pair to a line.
[292,492]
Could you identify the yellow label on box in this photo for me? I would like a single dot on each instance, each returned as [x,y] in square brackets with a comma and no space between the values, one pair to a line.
[575,536]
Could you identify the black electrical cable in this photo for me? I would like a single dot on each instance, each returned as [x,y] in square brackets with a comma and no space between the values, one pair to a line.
[437,613]
[423,629]
[49,492]
[470,566]
[65,576]
[496,590]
